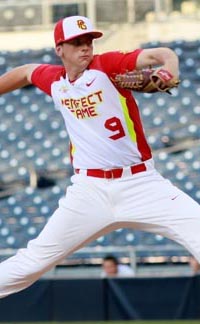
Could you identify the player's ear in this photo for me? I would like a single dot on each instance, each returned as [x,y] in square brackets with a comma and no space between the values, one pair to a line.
[58,50]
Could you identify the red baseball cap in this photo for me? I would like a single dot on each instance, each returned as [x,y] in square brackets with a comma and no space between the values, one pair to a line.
[71,27]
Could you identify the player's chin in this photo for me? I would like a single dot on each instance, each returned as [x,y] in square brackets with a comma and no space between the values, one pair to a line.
[85,60]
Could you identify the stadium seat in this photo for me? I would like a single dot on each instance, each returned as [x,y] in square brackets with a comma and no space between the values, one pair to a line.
[34,138]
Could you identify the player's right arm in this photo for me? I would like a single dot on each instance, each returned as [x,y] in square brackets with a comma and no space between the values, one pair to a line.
[16,78]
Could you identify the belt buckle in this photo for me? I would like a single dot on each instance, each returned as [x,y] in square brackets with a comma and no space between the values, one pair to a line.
[108,174]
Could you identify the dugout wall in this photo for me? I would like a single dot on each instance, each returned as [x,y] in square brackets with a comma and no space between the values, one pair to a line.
[105,299]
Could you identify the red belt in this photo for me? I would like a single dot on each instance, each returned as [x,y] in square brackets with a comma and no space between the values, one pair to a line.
[113,173]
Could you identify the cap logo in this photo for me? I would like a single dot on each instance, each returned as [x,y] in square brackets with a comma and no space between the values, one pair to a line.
[81,24]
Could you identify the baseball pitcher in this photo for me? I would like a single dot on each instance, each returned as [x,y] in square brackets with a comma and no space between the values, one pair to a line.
[115,183]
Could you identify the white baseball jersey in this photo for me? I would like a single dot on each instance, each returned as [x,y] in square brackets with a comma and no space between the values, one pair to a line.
[102,121]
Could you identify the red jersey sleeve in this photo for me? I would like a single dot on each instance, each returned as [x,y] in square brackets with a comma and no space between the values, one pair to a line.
[116,62]
[45,74]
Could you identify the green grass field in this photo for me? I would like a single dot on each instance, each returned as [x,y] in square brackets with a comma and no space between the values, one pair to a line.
[115,322]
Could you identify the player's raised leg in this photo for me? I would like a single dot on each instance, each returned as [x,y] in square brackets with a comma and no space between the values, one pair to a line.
[154,204]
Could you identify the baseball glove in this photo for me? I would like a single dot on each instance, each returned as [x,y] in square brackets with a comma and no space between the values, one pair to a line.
[146,80]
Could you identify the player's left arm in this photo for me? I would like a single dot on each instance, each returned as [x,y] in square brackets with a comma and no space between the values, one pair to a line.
[163,57]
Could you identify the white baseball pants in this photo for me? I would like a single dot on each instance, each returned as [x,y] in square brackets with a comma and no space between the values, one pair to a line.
[93,207]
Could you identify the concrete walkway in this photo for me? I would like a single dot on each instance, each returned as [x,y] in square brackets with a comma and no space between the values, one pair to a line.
[125,37]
